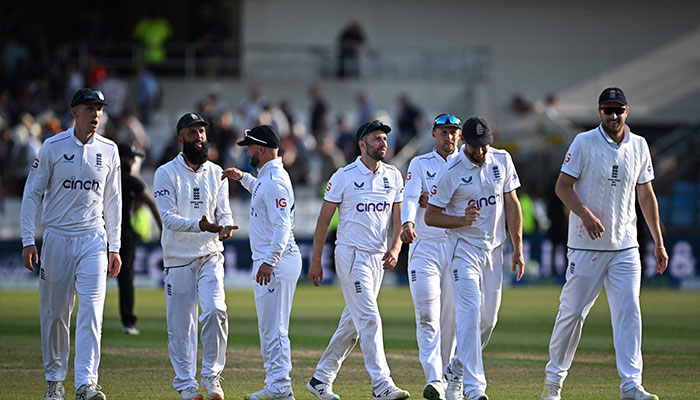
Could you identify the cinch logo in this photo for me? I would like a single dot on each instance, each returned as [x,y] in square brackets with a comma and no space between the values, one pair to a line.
[373,207]
[484,201]
[74,184]
[163,192]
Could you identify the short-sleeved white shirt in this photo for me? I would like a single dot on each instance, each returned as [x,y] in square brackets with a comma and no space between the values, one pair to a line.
[421,176]
[365,200]
[606,178]
[462,183]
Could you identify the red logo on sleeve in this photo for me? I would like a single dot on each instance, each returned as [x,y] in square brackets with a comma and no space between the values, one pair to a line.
[328,186]
[433,189]
[568,158]
[281,202]
[408,176]
[35,163]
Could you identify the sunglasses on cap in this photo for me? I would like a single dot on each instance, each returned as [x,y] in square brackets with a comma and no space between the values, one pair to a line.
[446,120]
[376,124]
[247,135]
[91,96]
[613,110]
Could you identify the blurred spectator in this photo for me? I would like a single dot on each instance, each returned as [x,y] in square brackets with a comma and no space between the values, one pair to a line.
[153,30]
[132,132]
[26,135]
[520,105]
[75,80]
[409,121]
[148,94]
[318,118]
[250,109]
[288,113]
[116,92]
[350,41]
[367,110]
[97,71]
[14,54]
[331,159]
[214,39]
[347,141]
[551,104]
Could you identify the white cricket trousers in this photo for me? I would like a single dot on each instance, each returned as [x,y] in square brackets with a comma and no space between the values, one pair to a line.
[620,273]
[478,276]
[274,305]
[432,289]
[201,279]
[360,275]
[70,265]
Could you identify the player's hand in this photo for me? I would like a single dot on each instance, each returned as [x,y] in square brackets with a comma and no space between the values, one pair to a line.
[471,213]
[423,199]
[316,272]
[518,263]
[407,233]
[206,226]
[30,254]
[390,258]
[661,259]
[264,275]
[114,265]
[233,173]
[227,231]
[593,225]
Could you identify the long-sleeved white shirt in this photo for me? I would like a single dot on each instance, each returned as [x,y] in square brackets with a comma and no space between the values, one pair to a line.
[271,212]
[183,196]
[78,186]
[422,177]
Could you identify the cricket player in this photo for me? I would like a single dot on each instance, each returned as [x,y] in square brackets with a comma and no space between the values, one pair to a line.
[190,192]
[368,195]
[473,198]
[430,277]
[76,180]
[602,171]
[276,257]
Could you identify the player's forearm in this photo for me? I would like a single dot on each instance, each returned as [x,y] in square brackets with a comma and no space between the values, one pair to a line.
[514,218]
[650,210]
[434,216]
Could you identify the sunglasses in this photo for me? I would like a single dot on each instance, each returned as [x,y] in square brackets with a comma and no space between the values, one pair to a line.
[446,120]
[247,136]
[369,128]
[613,110]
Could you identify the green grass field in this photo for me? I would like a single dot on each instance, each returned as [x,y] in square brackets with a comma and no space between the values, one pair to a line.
[138,367]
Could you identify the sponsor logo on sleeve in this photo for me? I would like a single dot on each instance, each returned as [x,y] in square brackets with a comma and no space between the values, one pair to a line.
[162,192]
[568,158]
[35,164]
[328,186]
[281,203]
[433,189]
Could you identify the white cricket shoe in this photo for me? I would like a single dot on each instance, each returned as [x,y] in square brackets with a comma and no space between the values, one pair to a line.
[454,385]
[476,394]
[90,392]
[54,391]
[434,391]
[266,394]
[638,393]
[392,393]
[131,330]
[212,387]
[551,391]
[322,390]
[191,393]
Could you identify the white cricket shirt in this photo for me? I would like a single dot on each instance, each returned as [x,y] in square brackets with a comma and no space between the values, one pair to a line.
[462,183]
[606,178]
[183,196]
[421,177]
[271,212]
[365,200]
[79,187]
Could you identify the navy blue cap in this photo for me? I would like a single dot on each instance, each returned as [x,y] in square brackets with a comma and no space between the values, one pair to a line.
[476,132]
[262,135]
[190,119]
[612,95]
